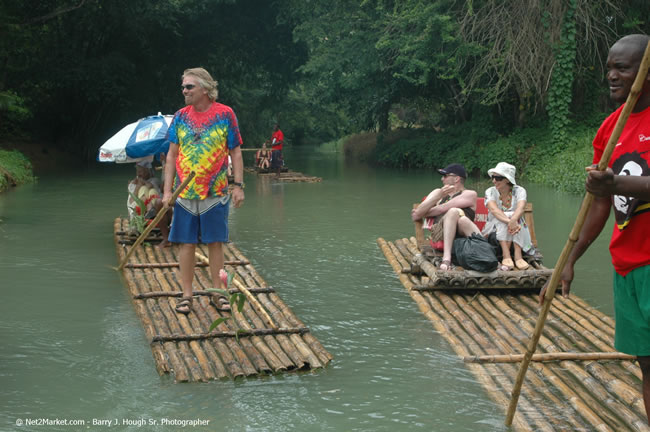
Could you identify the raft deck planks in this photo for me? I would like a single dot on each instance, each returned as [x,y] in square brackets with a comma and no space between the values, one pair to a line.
[182,346]
[602,395]
[285,176]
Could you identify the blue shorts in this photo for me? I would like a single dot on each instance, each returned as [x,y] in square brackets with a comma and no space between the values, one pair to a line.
[200,221]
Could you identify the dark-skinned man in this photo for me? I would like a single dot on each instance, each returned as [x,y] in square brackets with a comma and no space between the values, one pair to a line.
[625,187]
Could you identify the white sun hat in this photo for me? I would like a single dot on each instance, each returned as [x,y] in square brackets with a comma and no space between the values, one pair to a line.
[504,169]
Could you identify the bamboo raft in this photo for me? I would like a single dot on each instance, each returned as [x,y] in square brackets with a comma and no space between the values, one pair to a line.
[286,175]
[428,261]
[265,338]
[577,381]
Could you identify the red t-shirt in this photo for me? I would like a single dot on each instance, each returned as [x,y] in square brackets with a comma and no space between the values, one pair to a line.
[278,136]
[630,244]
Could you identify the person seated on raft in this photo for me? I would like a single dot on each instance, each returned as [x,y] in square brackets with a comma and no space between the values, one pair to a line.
[505,202]
[146,188]
[263,157]
[453,206]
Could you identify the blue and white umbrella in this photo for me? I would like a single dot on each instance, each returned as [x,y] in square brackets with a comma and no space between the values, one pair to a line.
[137,141]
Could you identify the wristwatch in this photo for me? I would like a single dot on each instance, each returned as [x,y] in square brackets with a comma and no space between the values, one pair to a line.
[241,185]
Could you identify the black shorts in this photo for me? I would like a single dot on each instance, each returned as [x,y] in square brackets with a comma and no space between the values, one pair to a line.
[276,159]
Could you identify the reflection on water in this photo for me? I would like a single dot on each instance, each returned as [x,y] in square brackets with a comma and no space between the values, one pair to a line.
[73,347]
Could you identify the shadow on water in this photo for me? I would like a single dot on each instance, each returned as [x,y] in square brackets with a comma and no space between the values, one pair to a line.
[73,347]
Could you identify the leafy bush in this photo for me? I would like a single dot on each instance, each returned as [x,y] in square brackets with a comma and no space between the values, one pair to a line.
[15,169]
[531,150]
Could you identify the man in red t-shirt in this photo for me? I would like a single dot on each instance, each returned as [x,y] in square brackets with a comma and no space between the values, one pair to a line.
[277,140]
[625,186]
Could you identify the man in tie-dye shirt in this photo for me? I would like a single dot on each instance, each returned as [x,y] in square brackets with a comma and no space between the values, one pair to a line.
[201,136]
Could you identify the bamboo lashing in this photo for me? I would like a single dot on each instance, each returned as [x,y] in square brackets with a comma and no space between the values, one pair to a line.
[592,394]
[153,294]
[575,232]
[155,221]
[244,345]
[176,264]
[547,357]
[253,300]
[228,334]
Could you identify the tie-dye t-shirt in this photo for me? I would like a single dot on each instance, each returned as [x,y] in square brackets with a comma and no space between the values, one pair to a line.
[203,140]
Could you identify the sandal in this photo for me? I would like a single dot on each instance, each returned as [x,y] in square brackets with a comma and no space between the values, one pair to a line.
[508,263]
[184,306]
[220,302]
[521,264]
[447,264]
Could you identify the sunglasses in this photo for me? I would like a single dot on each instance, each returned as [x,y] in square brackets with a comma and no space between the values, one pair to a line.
[498,178]
[187,87]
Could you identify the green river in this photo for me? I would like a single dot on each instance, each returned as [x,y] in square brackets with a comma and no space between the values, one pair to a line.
[73,348]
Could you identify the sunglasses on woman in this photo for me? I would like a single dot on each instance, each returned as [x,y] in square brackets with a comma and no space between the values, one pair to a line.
[187,86]
[498,178]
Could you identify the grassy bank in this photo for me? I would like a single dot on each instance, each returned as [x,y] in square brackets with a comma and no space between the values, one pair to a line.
[15,169]
[531,150]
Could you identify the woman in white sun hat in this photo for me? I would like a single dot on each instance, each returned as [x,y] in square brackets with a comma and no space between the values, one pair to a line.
[505,202]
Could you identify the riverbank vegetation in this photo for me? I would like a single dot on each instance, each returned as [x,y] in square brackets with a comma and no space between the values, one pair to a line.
[470,81]
[15,169]
[530,149]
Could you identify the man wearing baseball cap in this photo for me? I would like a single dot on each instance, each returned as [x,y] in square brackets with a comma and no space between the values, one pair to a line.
[453,206]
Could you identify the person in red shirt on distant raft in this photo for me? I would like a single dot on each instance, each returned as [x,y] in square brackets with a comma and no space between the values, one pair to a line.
[625,187]
[277,140]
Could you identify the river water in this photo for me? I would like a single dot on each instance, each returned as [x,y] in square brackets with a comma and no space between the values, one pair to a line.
[73,348]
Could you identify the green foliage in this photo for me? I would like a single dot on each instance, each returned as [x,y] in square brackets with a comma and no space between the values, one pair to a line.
[137,221]
[527,149]
[566,170]
[13,111]
[15,169]
[560,93]
[84,72]
[73,73]
[237,299]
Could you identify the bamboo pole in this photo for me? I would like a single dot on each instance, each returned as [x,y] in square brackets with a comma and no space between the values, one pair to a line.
[277,357]
[250,297]
[267,361]
[443,327]
[155,221]
[154,294]
[229,357]
[302,348]
[176,324]
[181,373]
[191,352]
[494,317]
[246,354]
[500,336]
[625,389]
[296,346]
[175,264]
[575,232]
[549,357]
[246,333]
[180,368]
[583,404]
[234,346]
[210,369]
